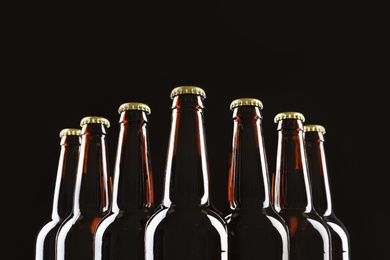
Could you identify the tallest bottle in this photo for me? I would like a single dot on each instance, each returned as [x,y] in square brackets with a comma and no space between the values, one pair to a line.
[186,226]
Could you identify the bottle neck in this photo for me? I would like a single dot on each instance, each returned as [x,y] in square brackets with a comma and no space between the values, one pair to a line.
[66,175]
[93,187]
[133,184]
[248,170]
[187,169]
[318,172]
[292,187]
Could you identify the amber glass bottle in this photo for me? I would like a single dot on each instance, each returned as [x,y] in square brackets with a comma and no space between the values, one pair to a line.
[186,225]
[91,194]
[120,234]
[257,231]
[309,235]
[63,193]
[322,196]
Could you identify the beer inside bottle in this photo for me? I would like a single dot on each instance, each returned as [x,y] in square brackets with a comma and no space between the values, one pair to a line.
[120,234]
[256,230]
[91,194]
[63,193]
[309,235]
[322,196]
[186,225]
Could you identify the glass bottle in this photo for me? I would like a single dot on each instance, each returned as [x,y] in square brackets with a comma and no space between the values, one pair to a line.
[120,234]
[322,196]
[91,194]
[257,231]
[186,225]
[63,193]
[309,235]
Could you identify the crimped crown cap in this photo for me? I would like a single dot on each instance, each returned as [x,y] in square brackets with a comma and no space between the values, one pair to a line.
[314,128]
[188,90]
[246,102]
[94,120]
[69,131]
[134,106]
[289,115]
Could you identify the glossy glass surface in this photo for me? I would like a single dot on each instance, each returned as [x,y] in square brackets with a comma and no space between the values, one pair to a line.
[120,235]
[186,225]
[91,197]
[256,230]
[309,235]
[322,197]
[62,199]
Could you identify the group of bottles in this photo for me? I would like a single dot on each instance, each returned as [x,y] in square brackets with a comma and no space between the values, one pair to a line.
[95,217]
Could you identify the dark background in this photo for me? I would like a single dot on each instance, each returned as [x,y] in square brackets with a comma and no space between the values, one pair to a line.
[326,61]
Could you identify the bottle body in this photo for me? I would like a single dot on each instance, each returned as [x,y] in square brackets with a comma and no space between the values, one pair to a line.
[256,230]
[322,197]
[120,234]
[309,235]
[186,225]
[63,193]
[91,196]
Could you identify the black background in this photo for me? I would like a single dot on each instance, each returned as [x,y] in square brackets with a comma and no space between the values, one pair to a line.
[326,61]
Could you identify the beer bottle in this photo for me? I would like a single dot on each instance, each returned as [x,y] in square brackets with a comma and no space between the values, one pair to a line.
[322,196]
[256,230]
[91,194]
[186,225]
[63,193]
[120,234]
[309,235]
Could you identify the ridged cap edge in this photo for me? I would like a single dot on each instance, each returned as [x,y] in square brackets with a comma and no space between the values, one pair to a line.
[246,102]
[69,131]
[289,115]
[134,106]
[188,90]
[95,120]
[314,128]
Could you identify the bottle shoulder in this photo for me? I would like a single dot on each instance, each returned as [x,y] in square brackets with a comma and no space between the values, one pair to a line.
[335,223]
[126,218]
[187,216]
[49,226]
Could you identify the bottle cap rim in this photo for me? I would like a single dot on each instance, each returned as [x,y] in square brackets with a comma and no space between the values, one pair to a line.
[95,120]
[289,115]
[69,131]
[246,102]
[195,90]
[314,128]
[134,106]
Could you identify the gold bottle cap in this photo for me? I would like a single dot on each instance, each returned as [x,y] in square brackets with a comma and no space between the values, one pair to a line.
[70,131]
[188,90]
[134,106]
[289,115]
[95,120]
[314,128]
[246,102]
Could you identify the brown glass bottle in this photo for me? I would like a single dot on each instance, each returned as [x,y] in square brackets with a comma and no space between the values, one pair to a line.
[120,234]
[91,194]
[63,193]
[322,196]
[309,235]
[186,225]
[256,230]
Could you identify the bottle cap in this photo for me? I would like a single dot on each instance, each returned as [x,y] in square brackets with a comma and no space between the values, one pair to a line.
[188,90]
[289,115]
[70,131]
[246,102]
[314,128]
[134,106]
[95,120]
